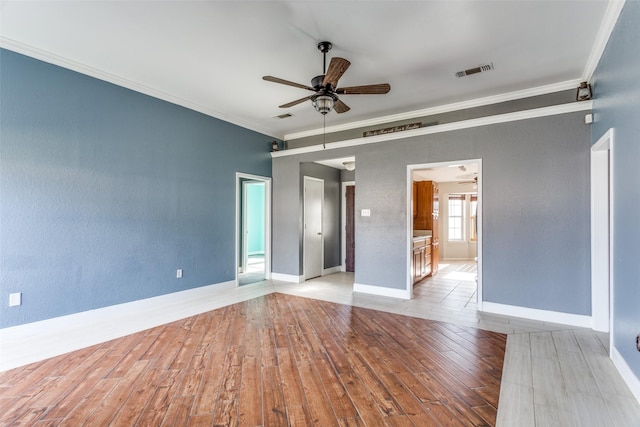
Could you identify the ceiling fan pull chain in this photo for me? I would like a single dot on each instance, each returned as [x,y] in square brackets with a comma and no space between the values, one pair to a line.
[324,131]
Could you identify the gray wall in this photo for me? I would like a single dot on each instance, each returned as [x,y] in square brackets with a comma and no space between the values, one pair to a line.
[535,242]
[617,105]
[105,192]
[347,176]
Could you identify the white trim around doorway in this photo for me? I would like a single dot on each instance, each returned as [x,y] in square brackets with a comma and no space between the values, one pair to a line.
[409,212]
[267,220]
[601,233]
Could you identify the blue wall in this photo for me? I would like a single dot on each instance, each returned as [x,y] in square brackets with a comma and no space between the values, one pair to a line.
[105,192]
[617,105]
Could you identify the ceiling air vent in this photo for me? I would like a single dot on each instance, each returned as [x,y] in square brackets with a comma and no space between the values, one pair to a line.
[283,116]
[476,70]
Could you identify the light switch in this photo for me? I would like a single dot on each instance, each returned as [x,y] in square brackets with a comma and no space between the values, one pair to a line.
[15,299]
[365,212]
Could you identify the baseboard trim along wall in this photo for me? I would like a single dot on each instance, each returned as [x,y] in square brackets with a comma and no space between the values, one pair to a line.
[382,291]
[626,373]
[291,278]
[549,316]
[32,342]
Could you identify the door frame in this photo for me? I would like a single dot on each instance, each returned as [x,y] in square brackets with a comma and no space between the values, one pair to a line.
[602,283]
[409,212]
[343,224]
[267,221]
[304,240]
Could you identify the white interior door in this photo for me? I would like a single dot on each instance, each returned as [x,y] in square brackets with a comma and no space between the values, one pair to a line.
[313,243]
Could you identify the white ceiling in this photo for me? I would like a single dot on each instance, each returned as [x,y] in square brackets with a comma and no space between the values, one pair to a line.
[458,172]
[211,55]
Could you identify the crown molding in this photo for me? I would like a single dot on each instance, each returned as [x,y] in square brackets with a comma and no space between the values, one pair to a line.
[479,102]
[553,110]
[51,58]
[606,28]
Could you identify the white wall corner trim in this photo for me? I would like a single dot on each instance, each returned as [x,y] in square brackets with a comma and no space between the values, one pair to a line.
[604,33]
[382,291]
[331,270]
[626,373]
[32,342]
[548,316]
[290,278]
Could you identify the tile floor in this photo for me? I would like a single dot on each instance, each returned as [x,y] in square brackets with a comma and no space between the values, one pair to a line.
[255,271]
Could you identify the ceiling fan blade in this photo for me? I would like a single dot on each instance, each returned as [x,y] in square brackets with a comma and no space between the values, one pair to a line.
[377,89]
[337,67]
[286,82]
[340,107]
[296,102]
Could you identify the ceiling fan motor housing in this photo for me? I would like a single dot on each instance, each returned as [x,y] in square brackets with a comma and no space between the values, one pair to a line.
[316,82]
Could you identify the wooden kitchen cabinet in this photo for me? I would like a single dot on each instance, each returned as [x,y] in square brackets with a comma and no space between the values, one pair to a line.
[426,206]
[421,265]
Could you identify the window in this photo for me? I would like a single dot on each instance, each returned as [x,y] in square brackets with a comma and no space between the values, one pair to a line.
[462,220]
[456,212]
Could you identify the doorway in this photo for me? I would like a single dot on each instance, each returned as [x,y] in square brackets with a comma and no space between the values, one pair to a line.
[253,229]
[348,226]
[313,242]
[601,227]
[459,232]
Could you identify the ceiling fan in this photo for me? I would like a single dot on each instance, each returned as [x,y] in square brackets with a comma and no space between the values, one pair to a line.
[325,86]
[473,181]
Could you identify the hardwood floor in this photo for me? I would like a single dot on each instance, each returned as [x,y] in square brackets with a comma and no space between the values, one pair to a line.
[272,360]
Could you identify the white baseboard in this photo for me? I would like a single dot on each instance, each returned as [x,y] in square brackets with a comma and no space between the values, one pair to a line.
[291,278]
[331,270]
[536,314]
[32,342]
[626,373]
[382,291]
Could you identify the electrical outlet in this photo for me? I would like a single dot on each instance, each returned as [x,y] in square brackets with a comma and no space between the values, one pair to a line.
[179,274]
[15,299]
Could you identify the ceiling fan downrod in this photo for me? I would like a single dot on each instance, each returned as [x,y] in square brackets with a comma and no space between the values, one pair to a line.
[324,47]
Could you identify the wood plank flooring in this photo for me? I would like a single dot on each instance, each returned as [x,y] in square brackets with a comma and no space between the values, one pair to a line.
[270,361]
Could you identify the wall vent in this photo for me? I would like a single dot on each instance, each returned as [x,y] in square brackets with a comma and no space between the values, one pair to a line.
[476,70]
[283,116]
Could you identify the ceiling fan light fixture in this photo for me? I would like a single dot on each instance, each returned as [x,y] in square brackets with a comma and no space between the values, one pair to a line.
[323,103]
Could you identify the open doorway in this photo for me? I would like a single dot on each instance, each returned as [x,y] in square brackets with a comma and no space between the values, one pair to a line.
[444,234]
[348,242]
[253,241]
